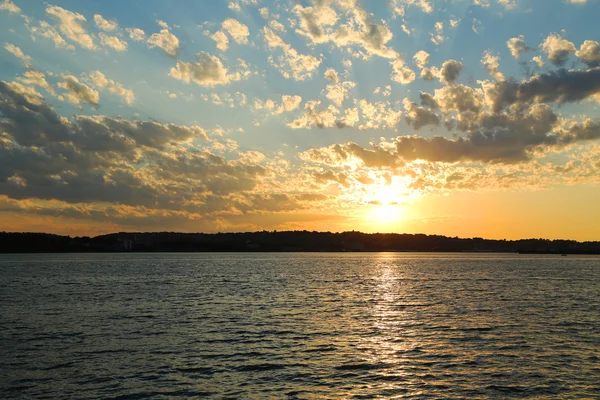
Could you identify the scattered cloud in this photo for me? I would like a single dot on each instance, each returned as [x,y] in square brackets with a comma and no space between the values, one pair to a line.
[17,52]
[72,25]
[166,41]
[208,70]
[558,49]
[101,81]
[9,6]
[238,31]
[77,92]
[114,42]
[136,34]
[104,24]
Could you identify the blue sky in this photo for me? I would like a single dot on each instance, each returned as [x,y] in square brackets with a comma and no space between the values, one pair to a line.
[322,106]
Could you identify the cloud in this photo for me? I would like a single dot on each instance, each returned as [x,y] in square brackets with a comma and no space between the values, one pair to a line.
[288,103]
[166,41]
[9,6]
[101,81]
[36,78]
[560,86]
[331,75]
[136,34]
[238,31]
[71,24]
[97,159]
[491,63]
[221,39]
[424,5]
[208,70]
[421,58]
[510,139]
[44,29]
[372,37]
[105,24]
[318,24]
[558,49]
[450,71]
[17,52]
[438,37]
[113,42]
[162,24]
[337,92]
[401,73]
[291,64]
[418,117]
[589,53]
[78,92]
[517,46]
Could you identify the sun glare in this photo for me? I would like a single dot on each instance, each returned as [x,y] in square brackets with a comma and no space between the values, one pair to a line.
[384,202]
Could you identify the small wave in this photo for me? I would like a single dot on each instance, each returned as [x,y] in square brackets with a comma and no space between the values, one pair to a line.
[363,366]
[196,370]
[507,389]
[260,367]
[58,366]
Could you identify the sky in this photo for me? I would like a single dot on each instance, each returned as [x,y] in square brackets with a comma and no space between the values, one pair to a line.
[470,118]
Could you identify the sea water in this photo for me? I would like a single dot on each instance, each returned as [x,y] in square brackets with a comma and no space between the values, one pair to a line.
[299,325]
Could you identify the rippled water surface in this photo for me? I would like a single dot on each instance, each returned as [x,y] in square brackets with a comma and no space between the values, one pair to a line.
[376,325]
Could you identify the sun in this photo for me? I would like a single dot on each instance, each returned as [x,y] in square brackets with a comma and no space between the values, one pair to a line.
[384,202]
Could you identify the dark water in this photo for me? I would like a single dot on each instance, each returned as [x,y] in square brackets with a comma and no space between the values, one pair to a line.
[300,326]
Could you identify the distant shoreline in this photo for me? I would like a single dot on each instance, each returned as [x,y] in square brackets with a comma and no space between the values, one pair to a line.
[284,241]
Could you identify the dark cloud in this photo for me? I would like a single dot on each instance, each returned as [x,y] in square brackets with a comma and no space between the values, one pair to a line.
[90,159]
[450,71]
[560,86]
[493,138]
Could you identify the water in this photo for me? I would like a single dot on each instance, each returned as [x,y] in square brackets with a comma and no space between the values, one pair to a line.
[379,325]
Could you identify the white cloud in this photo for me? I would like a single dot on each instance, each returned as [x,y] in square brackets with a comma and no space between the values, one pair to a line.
[277,26]
[17,52]
[438,37]
[234,6]
[421,58]
[9,6]
[491,63]
[517,46]
[221,39]
[401,73]
[136,34]
[589,53]
[331,75]
[166,41]
[113,42]
[207,71]
[288,103]
[291,63]
[238,31]
[36,78]
[71,24]
[338,92]
[101,81]
[44,29]
[105,24]
[558,49]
